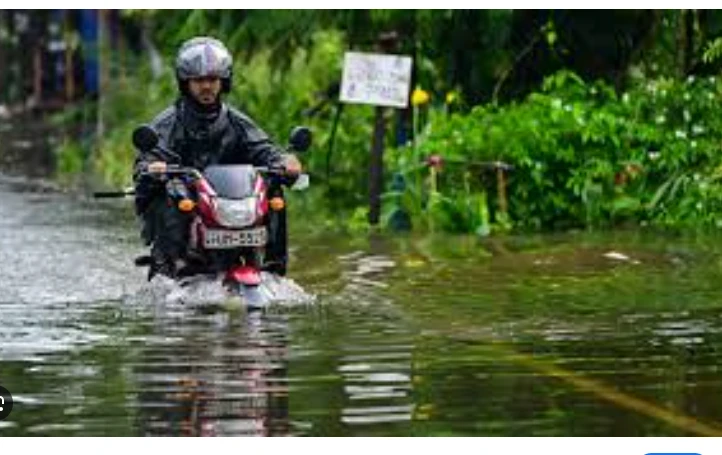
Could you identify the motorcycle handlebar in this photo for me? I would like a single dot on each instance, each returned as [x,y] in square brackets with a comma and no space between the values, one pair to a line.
[113,194]
[177,169]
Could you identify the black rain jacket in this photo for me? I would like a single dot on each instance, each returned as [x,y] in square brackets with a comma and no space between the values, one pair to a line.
[225,136]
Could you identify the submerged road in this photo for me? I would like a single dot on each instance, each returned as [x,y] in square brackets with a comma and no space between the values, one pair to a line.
[548,336]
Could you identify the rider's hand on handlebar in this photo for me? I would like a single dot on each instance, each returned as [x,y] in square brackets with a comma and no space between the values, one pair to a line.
[157,167]
[292,164]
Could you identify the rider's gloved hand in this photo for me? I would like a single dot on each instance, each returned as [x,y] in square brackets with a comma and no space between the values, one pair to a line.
[149,178]
[152,172]
[147,186]
[292,165]
[156,168]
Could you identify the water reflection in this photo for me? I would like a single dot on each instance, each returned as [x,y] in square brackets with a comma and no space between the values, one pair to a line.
[377,382]
[224,376]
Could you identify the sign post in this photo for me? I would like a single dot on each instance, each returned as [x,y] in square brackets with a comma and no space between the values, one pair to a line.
[376,166]
[381,80]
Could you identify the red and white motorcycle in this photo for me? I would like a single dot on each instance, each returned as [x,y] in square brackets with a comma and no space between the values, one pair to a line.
[238,226]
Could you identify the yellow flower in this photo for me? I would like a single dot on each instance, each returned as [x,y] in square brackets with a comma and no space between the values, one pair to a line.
[451,97]
[419,97]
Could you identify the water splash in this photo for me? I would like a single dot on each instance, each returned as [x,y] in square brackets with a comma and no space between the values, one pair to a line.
[204,291]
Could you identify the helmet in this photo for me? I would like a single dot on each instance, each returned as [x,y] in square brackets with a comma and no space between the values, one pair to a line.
[202,57]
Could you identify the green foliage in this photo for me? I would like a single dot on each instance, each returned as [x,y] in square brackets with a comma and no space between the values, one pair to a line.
[713,51]
[70,160]
[125,108]
[443,195]
[584,156]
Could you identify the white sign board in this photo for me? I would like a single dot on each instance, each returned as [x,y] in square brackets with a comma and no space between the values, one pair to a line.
[378,79]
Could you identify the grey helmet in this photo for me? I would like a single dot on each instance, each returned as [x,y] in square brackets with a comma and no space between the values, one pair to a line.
[202,57]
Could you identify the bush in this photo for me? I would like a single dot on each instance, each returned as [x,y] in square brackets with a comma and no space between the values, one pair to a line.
[584,156]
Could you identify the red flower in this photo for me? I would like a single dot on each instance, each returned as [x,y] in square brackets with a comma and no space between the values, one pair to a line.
[620,178]
[435,161]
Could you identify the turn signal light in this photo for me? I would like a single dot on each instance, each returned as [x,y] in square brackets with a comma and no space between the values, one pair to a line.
[277,204]
[186,205]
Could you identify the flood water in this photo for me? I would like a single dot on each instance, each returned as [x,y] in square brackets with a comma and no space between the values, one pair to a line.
[576,334]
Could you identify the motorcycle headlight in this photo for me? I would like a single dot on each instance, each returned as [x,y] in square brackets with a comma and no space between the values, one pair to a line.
[236,213]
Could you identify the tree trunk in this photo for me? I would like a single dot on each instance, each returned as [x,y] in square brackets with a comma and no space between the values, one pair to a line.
[69,59]
[3,46]
[37,97]
[689,52]
[103,71]
[685,40]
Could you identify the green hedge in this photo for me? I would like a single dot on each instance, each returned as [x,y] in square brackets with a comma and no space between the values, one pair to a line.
[583,156]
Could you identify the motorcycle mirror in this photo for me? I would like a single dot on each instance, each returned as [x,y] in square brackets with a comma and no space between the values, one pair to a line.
[145,138]
[302,182]
[300,139]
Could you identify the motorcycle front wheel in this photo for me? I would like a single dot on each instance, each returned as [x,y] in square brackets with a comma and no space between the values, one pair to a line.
[253,296]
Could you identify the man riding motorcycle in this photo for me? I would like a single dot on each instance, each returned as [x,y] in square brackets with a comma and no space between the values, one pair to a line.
[203,130]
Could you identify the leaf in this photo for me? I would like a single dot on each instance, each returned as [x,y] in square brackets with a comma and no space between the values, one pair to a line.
[625,204]
[659,194]
[713,50]
[551,36]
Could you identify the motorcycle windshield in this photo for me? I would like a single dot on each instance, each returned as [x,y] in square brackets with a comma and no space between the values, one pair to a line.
[231,182]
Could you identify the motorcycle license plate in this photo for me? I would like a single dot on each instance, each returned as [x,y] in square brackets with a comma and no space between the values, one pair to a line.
[217,239]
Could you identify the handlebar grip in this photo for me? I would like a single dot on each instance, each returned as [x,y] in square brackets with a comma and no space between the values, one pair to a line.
[112,194]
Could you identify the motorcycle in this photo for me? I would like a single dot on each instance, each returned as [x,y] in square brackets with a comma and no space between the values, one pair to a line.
[238,216]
